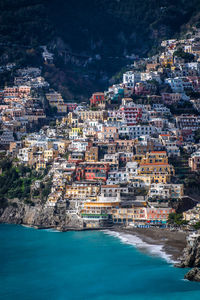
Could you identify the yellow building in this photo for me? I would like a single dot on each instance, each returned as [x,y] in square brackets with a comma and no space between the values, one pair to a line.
[75,133]
[53,198]
[138,158]
[91,155]
[98,208]
[93,115]
[155,164]
[68,176]
[82,191]
[40,165]
[161,178]
[72,119]
[50,154]
[159,172]
[96,213]
[130,214]
[155,157]
[61,108]
[56,100]
[166,60]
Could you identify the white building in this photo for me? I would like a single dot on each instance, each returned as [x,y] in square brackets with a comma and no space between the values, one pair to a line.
[117,177]
[145,76]
[130,78]
[165,191]
[176,84]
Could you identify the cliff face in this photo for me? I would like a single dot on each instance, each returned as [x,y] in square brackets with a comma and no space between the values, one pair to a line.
[191,259]
[40,216]
[193,275]
[191,256]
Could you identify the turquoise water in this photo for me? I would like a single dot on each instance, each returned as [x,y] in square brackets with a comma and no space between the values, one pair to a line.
[40,264]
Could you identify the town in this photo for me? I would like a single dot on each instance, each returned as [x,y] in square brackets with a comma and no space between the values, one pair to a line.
[129,156]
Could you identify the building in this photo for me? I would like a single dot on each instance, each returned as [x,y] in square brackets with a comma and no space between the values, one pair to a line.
[92,115]
[192,215]
[176,84]
[165,191]
[155,165]
[92,171]
[158,216]
[188,122]
[97,100]
[194,161]
[130,79]
[76,133]
[92,154]
[171,98]
[82,191]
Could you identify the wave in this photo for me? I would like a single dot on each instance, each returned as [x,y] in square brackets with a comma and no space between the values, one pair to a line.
[50,230]
[153,249]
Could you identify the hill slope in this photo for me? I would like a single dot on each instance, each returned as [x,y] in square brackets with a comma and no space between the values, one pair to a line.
[90,39]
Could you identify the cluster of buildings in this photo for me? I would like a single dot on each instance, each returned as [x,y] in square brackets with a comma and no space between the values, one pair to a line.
[109,166]
[24,106]
[192,215]
[21,106]
[110,158]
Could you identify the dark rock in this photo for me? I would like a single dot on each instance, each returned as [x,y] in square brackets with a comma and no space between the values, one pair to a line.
[193,275]
[191,255]
[179,265]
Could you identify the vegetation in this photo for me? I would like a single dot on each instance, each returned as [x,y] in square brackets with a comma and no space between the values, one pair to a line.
[197,225]
[184,175]
[192,184]
[182,170]
[176,219]
[15,181]
[183,107]
[46,189]
[90,40]
[197,136]
[188,57]
[3,203]
[140,192]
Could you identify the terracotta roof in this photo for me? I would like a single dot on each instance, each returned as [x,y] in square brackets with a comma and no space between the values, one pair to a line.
[110,186]
[158,152]
[155,164]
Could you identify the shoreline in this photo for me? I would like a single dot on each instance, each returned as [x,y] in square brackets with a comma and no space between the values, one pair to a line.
[157,241]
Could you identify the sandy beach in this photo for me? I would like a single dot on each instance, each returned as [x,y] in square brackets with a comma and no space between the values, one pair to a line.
[171,243]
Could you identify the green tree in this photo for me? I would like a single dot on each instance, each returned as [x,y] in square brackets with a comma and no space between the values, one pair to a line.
[176,219]
[188,57]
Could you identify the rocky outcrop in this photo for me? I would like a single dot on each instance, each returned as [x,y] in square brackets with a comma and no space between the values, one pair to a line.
[191,254]
[40,216]
[182,204]
[193,275]
[191,258]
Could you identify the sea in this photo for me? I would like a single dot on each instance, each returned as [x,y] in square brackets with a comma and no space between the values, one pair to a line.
[46,264]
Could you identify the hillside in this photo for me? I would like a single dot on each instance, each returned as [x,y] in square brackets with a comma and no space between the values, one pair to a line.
[91,40]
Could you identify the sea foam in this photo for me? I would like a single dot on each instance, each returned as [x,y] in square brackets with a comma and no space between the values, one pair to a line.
[130,239]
